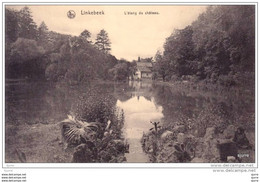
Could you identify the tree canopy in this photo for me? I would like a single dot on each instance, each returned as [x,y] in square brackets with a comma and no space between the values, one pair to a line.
[102,41]
[37,52]
[219,47]
[86,35]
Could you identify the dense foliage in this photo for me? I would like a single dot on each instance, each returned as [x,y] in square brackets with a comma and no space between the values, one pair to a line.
[94,128]
[197,121]
[123,70]
[218,47]
[35,52]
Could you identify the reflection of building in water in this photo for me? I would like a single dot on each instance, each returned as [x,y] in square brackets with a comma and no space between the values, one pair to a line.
[141,89]
[140,85]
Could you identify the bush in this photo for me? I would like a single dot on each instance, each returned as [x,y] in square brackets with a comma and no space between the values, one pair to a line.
[94,128]
[25,50]
[94,106]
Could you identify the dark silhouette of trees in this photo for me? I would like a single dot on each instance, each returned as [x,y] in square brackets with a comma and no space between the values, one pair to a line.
[27,27]
[11,25]
[33,52]
[218,47]
[161,66]
[86,35]
[102,41]
[43,33]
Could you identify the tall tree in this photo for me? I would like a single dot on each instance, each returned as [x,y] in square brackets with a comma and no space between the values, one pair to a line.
[179,51]
[27,27]
[11,25]
[43,34]
[102,41]
[42,30]
[161,65]
[86,35]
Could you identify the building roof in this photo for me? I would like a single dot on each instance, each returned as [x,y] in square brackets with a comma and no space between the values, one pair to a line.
[144,66]
[144,69]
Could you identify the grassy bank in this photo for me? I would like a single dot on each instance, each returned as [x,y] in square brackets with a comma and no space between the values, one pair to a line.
[40,143]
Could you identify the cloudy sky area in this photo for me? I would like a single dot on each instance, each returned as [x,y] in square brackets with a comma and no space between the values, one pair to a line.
[131,35]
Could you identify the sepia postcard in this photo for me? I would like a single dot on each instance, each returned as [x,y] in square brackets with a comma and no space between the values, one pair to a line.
[129,85]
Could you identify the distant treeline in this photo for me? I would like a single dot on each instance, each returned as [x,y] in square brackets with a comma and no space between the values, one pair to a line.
[219,47]
[34,52]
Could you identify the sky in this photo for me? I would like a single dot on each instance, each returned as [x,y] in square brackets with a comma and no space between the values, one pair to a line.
[131,34]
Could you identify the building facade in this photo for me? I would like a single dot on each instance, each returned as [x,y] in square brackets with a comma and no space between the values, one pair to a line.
[144,69]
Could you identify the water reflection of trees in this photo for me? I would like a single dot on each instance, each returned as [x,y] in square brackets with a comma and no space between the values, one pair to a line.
[42,102]
[25,102]
[176,105]
[202,111]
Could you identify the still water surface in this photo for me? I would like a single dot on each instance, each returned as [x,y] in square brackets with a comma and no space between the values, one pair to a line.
[142,102]
[139,111]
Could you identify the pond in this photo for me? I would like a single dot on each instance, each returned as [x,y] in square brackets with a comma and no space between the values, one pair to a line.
[140,111]
[34,109]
